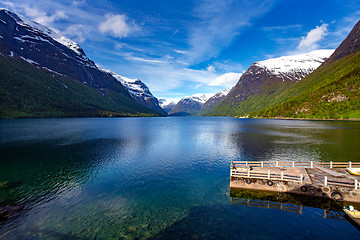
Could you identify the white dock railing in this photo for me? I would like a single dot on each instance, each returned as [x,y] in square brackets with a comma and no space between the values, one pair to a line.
[355,184]
[310,164]
[242,169]
[247,173]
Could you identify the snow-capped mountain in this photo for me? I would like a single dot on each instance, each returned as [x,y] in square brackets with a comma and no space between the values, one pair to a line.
[30,39]
[166,105]
[214,101]
[22,40]
[271,76]
[138,91]
[190,105]
[295,67]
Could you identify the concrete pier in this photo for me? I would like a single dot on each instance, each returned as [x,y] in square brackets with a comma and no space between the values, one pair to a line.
[317,179]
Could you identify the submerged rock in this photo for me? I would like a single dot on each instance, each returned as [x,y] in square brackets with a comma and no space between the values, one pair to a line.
[7,184]
[11,211]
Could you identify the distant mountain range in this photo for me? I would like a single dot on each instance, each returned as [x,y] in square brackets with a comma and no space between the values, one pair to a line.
[139,91]
[44,74]
[190,105]
[260,85]
[166,105]
[212,103]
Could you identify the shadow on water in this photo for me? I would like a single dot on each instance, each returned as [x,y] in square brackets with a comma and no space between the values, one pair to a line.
[261,215]
[287,202]
[35,172]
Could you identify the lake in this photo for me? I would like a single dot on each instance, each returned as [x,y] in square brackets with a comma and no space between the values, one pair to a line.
[162,178]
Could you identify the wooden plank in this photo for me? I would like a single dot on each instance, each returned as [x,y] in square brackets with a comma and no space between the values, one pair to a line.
[330,172]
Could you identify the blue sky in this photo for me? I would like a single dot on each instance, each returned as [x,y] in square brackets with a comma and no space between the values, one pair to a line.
[178,48]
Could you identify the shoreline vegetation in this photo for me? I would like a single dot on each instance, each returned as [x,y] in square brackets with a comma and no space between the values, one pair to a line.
[311,119]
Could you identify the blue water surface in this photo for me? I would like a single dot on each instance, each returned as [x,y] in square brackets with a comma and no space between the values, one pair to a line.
[159,178]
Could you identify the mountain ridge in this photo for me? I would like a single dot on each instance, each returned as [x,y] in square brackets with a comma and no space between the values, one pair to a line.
[331,92]
[214,101]
[190,105]
[139,91]
[26,41]
[260,85]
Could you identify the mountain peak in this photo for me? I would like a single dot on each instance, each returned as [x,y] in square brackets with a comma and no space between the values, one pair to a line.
[53,33]
[199,97]
[350,45]
[214,101]
[190,105]
[26,42]
[268,78]
[138,91]
[301,63]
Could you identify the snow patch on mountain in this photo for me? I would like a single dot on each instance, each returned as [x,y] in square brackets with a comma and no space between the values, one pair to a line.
[165,102]
[214,101]
[53,33]
[167,105]
[200,97]
[305,63]
[138,91]
[29,60]
[135,87]
[223,93]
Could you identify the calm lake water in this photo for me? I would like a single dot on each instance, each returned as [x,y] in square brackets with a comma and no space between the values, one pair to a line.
[162,178]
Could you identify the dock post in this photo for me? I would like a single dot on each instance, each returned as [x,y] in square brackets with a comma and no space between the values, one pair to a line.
[246,163]
[277,163]
[293,164]
[282,175]
[301,178]
[262,163]
[349,164]
[312,164]
[325,180]
[248,172]
[356,184]
[331,164]
[269,174]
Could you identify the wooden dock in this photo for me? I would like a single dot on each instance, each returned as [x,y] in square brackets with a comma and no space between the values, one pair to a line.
[318,179]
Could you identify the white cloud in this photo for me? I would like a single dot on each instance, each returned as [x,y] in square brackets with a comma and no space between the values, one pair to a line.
[145,60]
[210,68]
[343,28]
[285,28]
[78,3]
[226,80]
[228,66]
[116,25]
[42,17]
[8,4]
[312,39]
[163,76]
[77,32]
[179,51]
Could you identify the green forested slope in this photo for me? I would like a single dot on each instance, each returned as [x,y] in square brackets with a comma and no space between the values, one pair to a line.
[268,97]
[27,91]
[330,92]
